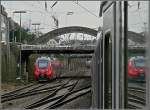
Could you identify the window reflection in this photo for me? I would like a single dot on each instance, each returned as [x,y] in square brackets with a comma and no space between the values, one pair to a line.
[137,27]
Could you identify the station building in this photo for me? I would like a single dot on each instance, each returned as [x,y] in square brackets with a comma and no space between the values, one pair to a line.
[4,25]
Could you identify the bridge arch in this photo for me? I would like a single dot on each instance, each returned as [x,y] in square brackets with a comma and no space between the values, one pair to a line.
[64,30]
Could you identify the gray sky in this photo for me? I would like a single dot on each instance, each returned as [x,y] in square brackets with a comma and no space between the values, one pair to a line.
[36,13]
[138,16]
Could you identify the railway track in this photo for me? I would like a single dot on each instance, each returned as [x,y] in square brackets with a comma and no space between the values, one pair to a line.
[136,97]
[73,87]
[55,99]
[72,96]
[44,100]
[26,91]
[29,87]
[67,84]
[17,90]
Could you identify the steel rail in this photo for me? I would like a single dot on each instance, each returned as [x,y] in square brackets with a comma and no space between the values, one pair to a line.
[53,99]
[31,93]
[12,92]
[15,92]
[47,97]
[68,100]
[136,101]
[66,94]
[136,97]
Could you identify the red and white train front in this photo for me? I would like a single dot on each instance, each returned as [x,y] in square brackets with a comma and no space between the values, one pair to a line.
[136,68]
[43,69]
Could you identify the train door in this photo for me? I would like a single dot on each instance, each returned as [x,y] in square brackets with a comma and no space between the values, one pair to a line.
[108,56]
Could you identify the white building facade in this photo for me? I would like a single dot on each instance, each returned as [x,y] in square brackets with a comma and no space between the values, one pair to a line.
[4,25]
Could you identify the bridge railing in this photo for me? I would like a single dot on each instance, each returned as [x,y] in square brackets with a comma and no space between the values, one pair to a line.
[47,47]
[57,47]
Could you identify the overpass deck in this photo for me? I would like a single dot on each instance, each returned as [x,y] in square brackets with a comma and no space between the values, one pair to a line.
[57,49]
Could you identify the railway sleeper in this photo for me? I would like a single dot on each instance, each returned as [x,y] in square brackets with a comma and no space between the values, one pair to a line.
[34,105]
[31,93]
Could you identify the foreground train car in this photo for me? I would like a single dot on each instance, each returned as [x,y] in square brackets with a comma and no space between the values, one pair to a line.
[109,80]
[110,66]
[43,69]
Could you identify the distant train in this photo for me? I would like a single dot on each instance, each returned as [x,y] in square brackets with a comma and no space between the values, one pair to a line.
[43,69]
[136,68]
[56,63]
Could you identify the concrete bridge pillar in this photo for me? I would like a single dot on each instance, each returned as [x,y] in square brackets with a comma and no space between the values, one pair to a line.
[22,66]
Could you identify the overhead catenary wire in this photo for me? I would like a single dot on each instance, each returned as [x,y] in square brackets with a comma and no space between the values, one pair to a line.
[77,3]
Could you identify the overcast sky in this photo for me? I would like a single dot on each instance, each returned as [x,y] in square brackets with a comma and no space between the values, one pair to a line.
[138,16]
[84,15]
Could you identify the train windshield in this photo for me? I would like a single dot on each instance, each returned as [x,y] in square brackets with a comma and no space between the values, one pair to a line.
[43,63]
[139,63]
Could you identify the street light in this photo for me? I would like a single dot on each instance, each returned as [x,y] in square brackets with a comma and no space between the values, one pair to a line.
[20,42]
[20,21]
[69,13]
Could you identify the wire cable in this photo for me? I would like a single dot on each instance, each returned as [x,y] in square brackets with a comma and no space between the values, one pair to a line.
[77,3]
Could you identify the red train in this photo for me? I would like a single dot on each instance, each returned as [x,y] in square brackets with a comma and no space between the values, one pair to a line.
[136,68]
[43,69]
[56,63]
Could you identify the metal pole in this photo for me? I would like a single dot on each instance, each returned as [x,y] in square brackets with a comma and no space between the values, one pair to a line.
[13,33]
[13,38]
[35,29]
[20,28]
[20,45]
[125,96]
[20,61]
[38,31]
[0,56]
[148,62]
[20,21]
[8,47]
[20,38]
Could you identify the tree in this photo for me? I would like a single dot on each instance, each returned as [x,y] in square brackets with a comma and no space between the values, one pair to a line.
[26,36]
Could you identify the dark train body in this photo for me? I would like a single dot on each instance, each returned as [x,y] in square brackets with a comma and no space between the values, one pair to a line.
[110,63]
[109,66]
[43,69]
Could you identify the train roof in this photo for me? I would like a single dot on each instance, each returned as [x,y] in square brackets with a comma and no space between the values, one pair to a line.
[137,57]
[103,6]
[43,58]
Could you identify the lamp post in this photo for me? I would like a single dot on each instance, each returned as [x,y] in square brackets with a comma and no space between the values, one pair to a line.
[20,12]
[19,65]
[36,24]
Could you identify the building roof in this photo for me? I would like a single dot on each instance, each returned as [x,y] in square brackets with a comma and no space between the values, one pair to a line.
[136,37]
[3,12]
[12,24]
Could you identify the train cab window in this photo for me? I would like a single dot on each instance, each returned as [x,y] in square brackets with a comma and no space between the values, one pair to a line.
[139,63]
[42,64]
